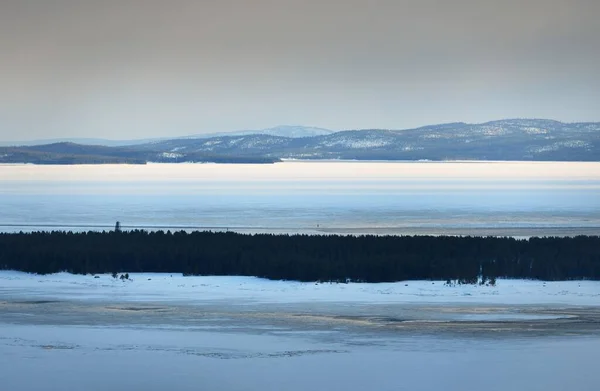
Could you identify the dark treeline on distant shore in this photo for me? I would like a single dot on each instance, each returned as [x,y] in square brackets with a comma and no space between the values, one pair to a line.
[304,257]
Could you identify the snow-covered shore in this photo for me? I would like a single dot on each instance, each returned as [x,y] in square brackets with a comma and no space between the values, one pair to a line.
[201,289]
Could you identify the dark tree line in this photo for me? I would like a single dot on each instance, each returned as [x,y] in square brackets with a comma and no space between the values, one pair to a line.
[304,257]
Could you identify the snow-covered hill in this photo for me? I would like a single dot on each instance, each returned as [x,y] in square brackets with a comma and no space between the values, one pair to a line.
[290,131]
[516,139]
[512,139]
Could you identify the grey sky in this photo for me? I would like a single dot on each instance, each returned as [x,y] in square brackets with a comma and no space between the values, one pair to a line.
[145,68]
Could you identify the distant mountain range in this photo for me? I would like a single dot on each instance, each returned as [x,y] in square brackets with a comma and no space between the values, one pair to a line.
[513,139]
[283,131]
[278,131]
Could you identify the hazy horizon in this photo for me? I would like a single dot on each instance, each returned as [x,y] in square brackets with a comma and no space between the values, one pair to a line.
[146,69]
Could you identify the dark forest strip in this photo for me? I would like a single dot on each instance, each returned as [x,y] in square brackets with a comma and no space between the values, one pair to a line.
[304,257]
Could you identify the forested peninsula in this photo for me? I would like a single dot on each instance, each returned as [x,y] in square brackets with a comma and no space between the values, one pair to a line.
[304,257]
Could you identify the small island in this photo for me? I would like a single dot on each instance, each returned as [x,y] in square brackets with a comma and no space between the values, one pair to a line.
[334,258]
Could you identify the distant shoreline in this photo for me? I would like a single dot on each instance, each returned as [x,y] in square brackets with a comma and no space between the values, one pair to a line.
[279,161]
[509,232]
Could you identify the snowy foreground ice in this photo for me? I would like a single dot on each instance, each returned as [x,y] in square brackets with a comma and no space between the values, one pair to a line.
[162,331]
[240,290]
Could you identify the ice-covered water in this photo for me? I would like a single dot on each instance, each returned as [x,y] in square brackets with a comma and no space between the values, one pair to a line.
[162,332]
[241,290]
[505,198]
[84,357]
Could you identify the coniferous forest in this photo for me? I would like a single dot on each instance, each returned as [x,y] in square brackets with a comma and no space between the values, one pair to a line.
[304,257]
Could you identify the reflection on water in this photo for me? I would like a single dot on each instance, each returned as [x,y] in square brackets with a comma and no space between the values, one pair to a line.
[343,197]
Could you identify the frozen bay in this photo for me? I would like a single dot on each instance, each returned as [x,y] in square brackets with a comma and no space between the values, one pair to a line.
[236,333]
[487,198]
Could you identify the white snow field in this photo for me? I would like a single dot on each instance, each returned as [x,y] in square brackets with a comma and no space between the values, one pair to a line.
[170,332]
[189,289]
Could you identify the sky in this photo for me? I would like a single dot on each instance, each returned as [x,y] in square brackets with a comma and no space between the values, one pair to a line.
[125,69]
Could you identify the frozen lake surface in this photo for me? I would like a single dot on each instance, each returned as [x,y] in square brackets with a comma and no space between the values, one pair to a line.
[487,198]
[174,288]
[161,332]
[157,332]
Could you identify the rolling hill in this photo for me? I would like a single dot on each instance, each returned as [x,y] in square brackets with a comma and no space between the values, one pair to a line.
[513,139]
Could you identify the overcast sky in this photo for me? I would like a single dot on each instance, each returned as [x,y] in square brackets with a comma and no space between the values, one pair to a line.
[144,68]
